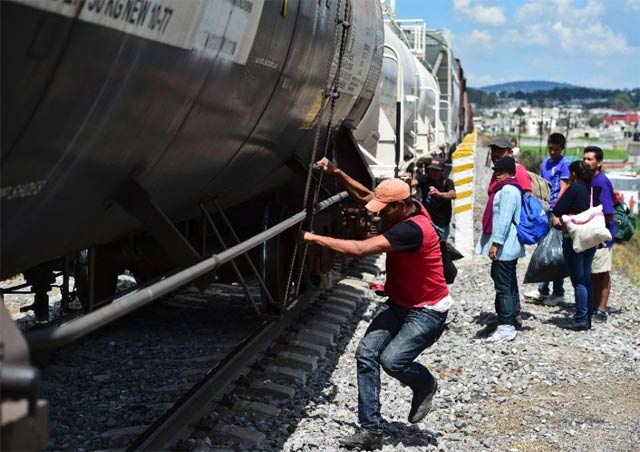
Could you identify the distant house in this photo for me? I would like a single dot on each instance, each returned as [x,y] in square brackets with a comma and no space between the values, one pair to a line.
[622,119]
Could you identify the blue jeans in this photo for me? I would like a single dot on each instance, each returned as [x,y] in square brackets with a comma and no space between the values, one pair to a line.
[579,267]
[507,299]
[395,337]
[442,230]
[558,290]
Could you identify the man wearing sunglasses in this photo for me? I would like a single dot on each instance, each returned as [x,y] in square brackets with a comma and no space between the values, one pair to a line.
[413,317]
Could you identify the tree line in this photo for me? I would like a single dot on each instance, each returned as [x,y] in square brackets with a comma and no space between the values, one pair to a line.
[621,100]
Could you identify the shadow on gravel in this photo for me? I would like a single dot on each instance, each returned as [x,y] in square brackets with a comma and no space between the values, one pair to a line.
[490,322]
[569,308]
[559,321]
[401,434]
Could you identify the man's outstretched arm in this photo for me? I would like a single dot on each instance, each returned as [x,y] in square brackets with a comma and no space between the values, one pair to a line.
[356,190]
[374,245]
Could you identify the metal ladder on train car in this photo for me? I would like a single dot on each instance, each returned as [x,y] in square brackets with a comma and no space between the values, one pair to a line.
[330,92]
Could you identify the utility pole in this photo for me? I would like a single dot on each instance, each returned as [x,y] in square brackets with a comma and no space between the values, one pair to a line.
[520,121]
[568,125]
[541,128]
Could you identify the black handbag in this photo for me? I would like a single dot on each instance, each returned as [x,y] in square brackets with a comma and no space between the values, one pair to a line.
[449,254]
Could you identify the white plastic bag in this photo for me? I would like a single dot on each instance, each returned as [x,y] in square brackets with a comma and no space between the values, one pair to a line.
[587,229]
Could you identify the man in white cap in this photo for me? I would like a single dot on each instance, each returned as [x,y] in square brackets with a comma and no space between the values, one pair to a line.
[412,318]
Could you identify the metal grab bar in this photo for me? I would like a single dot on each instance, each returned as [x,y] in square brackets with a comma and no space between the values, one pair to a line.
[53,337]
[331,201]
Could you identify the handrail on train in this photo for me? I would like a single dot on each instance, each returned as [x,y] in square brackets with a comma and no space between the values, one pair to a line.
[399,144]
[58,336]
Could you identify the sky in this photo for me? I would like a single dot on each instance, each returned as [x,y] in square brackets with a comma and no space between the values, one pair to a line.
[592,43]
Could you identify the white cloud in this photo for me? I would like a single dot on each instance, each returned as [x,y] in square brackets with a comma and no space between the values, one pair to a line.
[562,24]
[481,38]
[481,79]
[489,15]
[565,11]
[593,39]
[527,12]
[563,36]
[633,5]
[461,4]
[600,40]
[486,15]
[531,34]
[450,36]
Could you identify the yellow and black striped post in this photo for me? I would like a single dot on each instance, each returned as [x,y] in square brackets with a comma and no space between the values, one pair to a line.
[462,176]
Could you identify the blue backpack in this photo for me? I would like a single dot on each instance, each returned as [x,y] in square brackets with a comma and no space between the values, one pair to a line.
[534,222]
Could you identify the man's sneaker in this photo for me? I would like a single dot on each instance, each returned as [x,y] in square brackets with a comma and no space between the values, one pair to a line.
[535,295]
[503,333]
[600,316]
[421,403]
[363,440]
[553,300]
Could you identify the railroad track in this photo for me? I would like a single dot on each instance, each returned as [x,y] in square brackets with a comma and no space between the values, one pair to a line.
[195,369]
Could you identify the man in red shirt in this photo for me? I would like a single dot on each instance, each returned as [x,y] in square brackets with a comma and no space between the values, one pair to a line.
[501,147]
[412,318]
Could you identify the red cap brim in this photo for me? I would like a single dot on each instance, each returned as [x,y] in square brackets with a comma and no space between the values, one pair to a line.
[375,206]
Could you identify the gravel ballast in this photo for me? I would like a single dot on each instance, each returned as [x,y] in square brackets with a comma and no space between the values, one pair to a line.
[549,389]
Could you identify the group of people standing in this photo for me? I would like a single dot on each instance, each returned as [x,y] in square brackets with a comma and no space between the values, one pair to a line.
[574,187]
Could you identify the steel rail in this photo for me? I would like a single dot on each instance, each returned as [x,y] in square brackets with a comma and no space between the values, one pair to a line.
[49,338]
[167,430]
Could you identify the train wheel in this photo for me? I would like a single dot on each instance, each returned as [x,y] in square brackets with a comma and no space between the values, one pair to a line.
[275,257]
[105,279]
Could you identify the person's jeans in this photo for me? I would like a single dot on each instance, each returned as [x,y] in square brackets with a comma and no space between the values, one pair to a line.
[579,267]
[442,230]
[395,337]
[558,290]
[505,281]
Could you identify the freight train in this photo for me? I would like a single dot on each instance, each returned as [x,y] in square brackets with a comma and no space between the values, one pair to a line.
[166,137]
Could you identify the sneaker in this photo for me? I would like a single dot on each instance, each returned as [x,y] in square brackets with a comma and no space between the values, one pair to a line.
[363,440]
[600,316]
[421,403]
[553,300]
[503,333]
[535,295]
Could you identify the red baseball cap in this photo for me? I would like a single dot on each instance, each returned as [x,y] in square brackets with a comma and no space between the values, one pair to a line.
[389,190]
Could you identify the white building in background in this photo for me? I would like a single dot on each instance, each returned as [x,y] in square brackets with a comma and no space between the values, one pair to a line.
[525,121]
[628,185]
